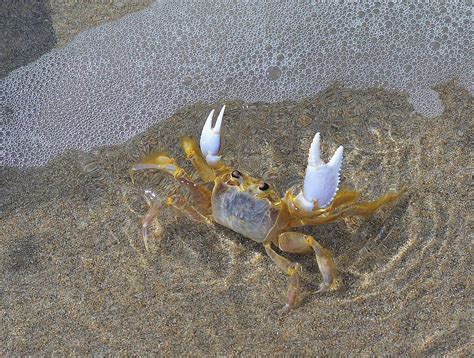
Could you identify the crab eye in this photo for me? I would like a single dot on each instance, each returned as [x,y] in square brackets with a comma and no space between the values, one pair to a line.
[236,174]
[263,186]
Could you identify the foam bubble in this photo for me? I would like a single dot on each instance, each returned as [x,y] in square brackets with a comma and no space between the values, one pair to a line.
[114,81]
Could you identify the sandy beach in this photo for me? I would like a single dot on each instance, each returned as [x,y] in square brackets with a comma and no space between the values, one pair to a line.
[76,278]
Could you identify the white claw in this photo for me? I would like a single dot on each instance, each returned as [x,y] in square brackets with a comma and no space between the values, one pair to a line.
[217,127]
[321,180]
[211,139]
[314,158]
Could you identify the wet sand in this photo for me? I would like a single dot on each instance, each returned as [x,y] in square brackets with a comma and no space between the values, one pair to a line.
[32,28]
[76,278]
[70,18]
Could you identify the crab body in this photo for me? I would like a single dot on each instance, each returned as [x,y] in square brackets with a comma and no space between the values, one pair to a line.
[242,210]
[253,208]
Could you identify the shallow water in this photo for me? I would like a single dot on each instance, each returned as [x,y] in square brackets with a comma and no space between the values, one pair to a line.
[76,277]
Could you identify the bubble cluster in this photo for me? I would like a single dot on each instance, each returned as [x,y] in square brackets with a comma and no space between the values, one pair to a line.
[114,81]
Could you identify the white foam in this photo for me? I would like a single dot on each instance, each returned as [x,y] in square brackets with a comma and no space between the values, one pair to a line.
[114,81]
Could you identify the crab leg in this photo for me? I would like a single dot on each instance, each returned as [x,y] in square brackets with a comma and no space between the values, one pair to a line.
[321,219]
[346,208]
[295,242]
[367,208]
[200,195]
[292,270]
[155,207]
[180,203]
[194,155]
[175,201]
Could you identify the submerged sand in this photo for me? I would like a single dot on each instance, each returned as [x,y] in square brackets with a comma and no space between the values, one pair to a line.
[76,278]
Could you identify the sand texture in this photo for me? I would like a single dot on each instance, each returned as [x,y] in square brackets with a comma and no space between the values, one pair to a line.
[76,278]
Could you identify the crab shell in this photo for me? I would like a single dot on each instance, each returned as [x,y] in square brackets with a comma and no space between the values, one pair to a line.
[242,207]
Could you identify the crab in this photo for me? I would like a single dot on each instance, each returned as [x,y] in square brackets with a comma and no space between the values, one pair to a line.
[253,207]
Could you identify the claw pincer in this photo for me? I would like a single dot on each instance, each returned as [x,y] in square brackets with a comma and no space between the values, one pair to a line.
[211,138]
[321,180]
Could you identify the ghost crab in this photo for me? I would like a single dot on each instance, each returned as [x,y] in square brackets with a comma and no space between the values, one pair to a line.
[253,208]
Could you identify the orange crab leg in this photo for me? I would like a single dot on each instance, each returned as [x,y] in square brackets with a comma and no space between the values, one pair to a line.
[192,151]
[367,208]
[293,270]
[200,195]
[343,206]
[299,243]
[194,154]
[175,201]
[342,199]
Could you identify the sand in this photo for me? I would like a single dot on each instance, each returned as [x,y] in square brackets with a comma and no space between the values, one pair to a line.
[76,278]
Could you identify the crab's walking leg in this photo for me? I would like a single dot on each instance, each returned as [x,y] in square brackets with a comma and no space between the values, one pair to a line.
[201,196]
[318,220]
[342,208]
[295,242]
[289,268]
[175,201]
[367,208]
[180,203]
[343,199]
[155,207]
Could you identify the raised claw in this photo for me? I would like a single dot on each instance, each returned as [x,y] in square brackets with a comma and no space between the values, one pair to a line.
[211,139]
[321,180]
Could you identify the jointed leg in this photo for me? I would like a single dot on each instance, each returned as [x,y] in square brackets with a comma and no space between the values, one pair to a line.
[194,154]
[295,242]
[181,204]
[175,201]
[155,207]
[200,195]
[343,199]
[341,208]
[369,207]
[318,220]
[289,268]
